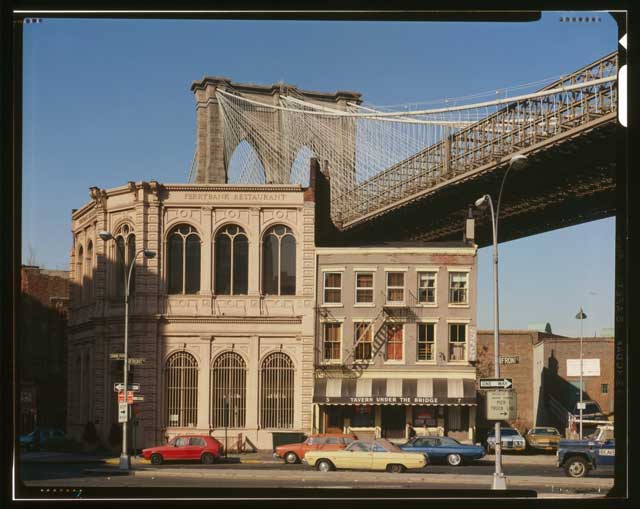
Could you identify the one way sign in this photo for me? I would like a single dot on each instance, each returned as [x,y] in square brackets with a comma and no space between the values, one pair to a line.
[496,383]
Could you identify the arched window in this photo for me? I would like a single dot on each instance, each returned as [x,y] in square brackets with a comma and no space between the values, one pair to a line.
[125,252]
[276,391]
[228,386]
[183,260]
[181,382]
[279,261]
[88,376]
[80,273]
[88,269]
[231,261]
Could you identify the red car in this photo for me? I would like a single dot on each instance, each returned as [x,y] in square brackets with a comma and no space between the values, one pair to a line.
[186,447]
[293,453]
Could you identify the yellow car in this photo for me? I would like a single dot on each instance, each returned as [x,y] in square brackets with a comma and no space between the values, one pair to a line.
[543,438]
[366,455]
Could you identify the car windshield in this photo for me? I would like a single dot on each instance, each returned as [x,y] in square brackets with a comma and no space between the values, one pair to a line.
[545,431]
[505,432]
[358,446]
[389,446]
[591,408]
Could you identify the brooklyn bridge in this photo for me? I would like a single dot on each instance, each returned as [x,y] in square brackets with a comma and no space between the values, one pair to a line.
[401,173]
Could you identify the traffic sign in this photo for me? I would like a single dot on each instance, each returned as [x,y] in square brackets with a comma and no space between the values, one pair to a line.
[130,398]
[501,405]
[496,383]
[123,412]
[119,387]
[138,398]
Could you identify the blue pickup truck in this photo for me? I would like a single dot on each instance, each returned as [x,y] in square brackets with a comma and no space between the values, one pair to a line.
[577,457]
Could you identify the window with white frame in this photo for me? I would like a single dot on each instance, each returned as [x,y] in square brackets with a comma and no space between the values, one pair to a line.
[332,332]
[363,333]
[395,340]
[458,287]
[364,287]
[457,341]
[426,341]
[427,287]
[395,287]
[332,287]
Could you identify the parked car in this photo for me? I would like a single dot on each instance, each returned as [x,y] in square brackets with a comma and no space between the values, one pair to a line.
[543,438]
[444,449]
[577,457]
[378,454]
[293,453]
[510,438]
[40,437]
[203,448]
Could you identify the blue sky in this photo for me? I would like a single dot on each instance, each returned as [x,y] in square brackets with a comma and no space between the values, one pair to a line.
[108,101]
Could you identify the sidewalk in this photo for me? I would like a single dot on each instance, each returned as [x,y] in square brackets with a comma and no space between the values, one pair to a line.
[59,457]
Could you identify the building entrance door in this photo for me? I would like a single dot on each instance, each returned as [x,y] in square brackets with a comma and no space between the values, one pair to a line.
[334,419]
[393,421]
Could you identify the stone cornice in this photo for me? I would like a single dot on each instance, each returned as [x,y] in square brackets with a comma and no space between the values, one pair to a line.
[296,320]
[233,187]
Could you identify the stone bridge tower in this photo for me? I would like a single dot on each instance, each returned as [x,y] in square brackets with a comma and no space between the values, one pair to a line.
[211,164]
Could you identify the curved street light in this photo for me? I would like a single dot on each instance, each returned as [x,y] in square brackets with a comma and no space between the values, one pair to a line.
[517,162]
[125,461]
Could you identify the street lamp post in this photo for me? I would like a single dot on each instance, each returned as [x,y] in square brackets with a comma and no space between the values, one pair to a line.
[125,461]
[499,479]
[581,316]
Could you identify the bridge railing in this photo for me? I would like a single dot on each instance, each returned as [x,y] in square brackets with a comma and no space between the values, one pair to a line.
[509,130]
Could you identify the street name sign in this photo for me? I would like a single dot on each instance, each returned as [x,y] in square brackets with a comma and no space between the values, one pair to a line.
[134,361]
[123,412]
[496,383]
[138,398]
[511,359]
[119,387]
[501,405]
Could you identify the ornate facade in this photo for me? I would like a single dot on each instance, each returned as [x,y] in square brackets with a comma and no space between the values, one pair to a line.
[222,316]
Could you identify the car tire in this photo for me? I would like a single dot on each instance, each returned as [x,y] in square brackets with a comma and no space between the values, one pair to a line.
[395,468]
[576,467]
[455,460]
[157,459]
[208,459]
[290,458]
[324,465]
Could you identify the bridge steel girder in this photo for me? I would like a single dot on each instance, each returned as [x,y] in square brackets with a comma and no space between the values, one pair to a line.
[568,182]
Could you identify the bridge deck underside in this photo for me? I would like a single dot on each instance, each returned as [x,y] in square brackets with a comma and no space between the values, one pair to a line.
[568,183]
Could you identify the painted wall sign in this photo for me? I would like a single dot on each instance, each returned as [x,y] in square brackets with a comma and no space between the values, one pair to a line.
[590,367]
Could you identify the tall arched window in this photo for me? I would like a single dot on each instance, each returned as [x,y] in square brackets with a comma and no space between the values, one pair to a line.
[279,261]
[183,260]
[181,382]
[231,261]
[80,273]
[88,269]
[125,252]
[276,391]
[228,386]
[88,377]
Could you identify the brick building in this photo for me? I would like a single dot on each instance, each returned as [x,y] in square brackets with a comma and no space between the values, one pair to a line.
[41,350]
[537,363]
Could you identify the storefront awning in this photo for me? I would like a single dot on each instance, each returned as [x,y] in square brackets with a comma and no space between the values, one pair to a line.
[394,391]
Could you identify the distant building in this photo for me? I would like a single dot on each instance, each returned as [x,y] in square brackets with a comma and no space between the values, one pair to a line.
[41,349]
[543,369]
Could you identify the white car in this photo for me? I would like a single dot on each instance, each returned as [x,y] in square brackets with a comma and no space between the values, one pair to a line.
[510,438]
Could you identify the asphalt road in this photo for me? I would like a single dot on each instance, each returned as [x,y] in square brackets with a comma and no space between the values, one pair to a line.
[543,478]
